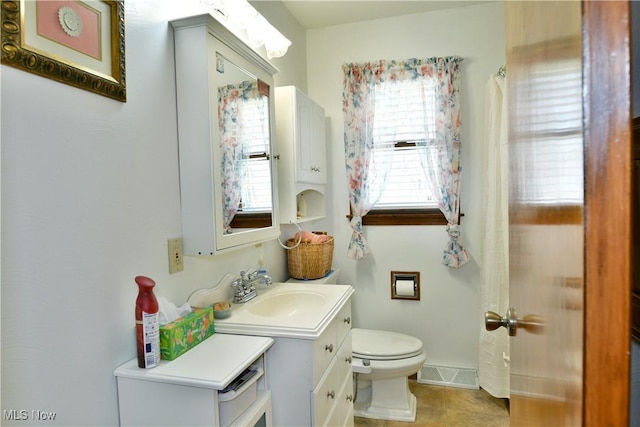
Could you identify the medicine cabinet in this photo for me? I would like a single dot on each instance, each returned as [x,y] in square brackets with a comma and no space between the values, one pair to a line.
[302,169]
[225,102]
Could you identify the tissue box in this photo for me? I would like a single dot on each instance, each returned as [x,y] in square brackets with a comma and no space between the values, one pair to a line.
[186,332]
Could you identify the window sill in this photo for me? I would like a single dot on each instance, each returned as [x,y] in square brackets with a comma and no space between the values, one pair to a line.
[404,217]
[251,220]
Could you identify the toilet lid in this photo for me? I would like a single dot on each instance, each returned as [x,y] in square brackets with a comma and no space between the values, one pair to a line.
[383,345]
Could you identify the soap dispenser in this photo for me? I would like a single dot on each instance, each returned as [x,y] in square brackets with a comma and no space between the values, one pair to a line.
[262,269]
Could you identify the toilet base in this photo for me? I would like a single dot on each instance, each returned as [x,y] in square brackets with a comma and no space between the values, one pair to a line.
[387,399]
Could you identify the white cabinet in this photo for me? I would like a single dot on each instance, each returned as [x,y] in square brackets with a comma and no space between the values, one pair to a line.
[225,102]
[311,379]
[190,390]
[302,167]
[310,147]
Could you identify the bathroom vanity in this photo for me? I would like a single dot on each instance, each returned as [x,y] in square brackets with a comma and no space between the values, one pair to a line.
[220,382]
[309,364]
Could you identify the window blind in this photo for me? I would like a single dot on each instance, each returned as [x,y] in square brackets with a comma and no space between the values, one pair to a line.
[256,183]
[404,113]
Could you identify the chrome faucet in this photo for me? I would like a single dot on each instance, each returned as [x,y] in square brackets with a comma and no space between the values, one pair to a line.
[245,286]
[257,277]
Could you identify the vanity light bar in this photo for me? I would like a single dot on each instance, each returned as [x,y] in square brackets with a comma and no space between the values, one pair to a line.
[240,15]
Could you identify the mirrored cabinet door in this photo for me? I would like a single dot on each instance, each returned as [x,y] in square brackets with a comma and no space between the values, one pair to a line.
[225,98]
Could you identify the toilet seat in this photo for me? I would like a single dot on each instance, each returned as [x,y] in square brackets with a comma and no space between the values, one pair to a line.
[383,345]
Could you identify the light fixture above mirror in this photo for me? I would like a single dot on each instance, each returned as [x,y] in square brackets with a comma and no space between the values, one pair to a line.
[239,15]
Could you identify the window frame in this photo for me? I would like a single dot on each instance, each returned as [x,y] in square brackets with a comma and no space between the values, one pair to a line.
[429,216]
[253,219]
[403,216]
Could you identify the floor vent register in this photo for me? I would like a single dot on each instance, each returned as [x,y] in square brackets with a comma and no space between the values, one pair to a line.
[452,377]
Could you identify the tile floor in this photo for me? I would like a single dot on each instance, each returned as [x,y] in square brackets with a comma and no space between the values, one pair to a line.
[443,406]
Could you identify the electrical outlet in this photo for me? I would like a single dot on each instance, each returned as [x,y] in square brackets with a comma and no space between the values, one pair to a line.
[175,256]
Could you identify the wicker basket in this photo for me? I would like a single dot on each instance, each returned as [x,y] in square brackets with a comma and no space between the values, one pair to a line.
[310,260]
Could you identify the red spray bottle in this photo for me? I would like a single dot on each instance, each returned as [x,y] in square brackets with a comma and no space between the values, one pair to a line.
[147,327]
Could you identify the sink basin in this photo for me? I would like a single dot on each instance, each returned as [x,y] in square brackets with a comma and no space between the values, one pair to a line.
[287,303]
[296,310]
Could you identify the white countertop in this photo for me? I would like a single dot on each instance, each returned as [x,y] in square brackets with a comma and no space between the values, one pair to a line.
[212,364]
[306,323]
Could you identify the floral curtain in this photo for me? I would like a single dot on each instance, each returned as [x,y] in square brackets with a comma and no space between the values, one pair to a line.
[441,159]
[359,110]
[233,166]
[360,81]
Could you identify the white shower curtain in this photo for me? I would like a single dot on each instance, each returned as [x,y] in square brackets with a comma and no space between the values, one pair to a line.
[493,372]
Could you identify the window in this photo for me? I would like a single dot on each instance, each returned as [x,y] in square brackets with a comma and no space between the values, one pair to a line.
[256,182]
[385,118]
[246,166]
[404,118]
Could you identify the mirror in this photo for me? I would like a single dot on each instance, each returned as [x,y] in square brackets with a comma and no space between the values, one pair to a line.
[245,148]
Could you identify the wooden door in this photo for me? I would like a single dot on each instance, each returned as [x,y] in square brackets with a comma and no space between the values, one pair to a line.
[570,211]
[635,288]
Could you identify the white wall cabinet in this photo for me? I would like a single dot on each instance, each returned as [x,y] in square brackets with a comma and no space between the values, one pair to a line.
[190,389]
[302,167]
[311,380]
[211,62]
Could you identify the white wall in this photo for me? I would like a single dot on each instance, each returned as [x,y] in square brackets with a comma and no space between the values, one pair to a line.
[447,318]
[90,195]
[293,66]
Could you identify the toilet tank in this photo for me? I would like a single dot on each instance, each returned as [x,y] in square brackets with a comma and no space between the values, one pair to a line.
[330,279]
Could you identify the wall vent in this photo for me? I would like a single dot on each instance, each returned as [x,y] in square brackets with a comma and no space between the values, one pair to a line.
[452,377]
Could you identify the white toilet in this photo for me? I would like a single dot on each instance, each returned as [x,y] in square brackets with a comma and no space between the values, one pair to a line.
[383,361]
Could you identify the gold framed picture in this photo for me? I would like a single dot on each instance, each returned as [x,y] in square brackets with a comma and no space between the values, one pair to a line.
[80,43]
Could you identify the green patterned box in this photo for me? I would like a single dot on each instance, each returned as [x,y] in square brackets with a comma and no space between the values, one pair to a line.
[186,332]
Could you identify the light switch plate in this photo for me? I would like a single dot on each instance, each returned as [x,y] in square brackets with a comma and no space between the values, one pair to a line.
[176,263]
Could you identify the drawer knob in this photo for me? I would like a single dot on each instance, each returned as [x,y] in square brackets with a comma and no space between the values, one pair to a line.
[347,320]
[331,394]
[329,348]
[348,359]
[350,398]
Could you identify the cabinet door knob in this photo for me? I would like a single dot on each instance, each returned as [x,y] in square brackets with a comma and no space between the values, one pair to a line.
[348,359]
[347,320]
[350,398]
[331,394]
[329,348]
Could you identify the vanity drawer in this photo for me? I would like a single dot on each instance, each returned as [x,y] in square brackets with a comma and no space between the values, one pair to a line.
[325,395]
[234,402]
[324,350]
[343,414]
[343,322]
[343,359]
